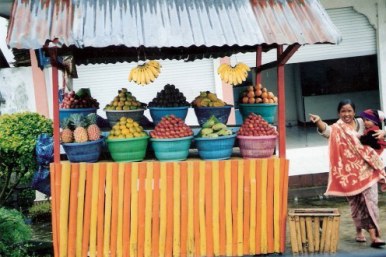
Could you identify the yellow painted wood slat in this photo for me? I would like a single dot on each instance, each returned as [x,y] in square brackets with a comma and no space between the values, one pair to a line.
[252,222]
[126,210]
[201,206]
[208,209]
[148,208]
[64,202]
[169,206]
[234,183]
[162,231]
[270,206]
[134,210]
[101,208]
[141,209]
[228,209]
[87,210]
[190,242]
[247,205]
[276,205]
[94,210]
[263,196]
[221,188]
[216,211]
[196,209]
[80,208]
[74,183]
[184,208]
[240,196]
[176,210]
[108,204]
[259,205]
[121,180]
[284,164]
[156,210]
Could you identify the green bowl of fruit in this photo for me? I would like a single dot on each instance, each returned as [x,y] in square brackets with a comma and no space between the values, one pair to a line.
[128,149]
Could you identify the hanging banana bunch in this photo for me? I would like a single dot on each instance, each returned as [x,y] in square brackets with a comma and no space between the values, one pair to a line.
[146,73]
[233,75]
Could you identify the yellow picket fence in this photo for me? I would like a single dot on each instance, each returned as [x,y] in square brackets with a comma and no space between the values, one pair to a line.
[163,209]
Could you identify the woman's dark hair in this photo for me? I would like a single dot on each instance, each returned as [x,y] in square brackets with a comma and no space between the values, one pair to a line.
[345,102]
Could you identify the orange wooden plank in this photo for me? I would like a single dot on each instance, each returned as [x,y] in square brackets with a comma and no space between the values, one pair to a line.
[184,208]
[208,209]
[126,211]
[284,166]
[169,204]
[114,211]
[87,210]
[270,204]
[141,208]
[101,209]
[73,209]
[258,206]
[196,217]
[156,210]
[58,181]
[234,165]
[222,207]
[55,231]
[247,203]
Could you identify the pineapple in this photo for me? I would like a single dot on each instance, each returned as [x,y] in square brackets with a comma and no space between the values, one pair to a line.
[67,135]
[80,133]
[93,131]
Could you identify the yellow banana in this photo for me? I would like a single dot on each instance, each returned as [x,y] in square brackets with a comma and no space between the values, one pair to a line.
[150,74]
[222,67]
[153,70]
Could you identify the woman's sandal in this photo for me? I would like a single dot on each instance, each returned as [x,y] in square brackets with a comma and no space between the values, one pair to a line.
[360,239]
[378,244]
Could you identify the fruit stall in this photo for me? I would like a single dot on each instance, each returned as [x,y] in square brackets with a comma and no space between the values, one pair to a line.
[214,201]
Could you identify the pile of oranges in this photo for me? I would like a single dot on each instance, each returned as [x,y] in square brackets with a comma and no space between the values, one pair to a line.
[257,94]
[126,128]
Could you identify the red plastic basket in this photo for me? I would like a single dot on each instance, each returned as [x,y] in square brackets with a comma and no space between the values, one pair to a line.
[257,146]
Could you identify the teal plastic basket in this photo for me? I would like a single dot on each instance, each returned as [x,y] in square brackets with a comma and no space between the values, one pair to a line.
[157,113]
[267,111]
[84,152]
[219,148]
[66,113]
[171,149]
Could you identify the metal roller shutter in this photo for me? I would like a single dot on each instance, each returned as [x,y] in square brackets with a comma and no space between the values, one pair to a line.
[359,38]
[104,80]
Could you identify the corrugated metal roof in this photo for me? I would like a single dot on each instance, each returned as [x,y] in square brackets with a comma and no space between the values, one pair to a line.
[222,25]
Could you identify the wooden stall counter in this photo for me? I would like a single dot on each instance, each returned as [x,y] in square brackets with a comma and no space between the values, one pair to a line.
[190,208]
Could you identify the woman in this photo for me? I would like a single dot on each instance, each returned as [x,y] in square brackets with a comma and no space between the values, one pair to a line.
[355,170]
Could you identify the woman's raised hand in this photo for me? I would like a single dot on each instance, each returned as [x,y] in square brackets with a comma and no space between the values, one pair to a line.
[314,118]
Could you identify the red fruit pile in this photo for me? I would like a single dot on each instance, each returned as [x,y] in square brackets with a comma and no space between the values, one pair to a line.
[73,101]
[255,125]
[171,127]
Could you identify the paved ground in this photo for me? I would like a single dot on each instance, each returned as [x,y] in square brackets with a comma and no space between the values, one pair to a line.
[347,245]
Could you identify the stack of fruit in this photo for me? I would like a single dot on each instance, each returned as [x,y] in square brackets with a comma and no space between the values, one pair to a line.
[257,138]
[257,99]
[171,139]
[146,73]
[127,141]
[81,138]
[207,104]
[257,94]
[169,101]
[233,75]
[124,105]
[215,140]
[80,102]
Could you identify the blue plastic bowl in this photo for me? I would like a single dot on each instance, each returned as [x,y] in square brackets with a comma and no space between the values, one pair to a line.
[204,113]
[66,113]
[84,152]
[157,113]
[171,149]
[219,148]
[267,111]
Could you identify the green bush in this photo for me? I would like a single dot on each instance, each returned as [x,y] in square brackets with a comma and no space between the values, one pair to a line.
[14,234]
[18,135]
[40,212]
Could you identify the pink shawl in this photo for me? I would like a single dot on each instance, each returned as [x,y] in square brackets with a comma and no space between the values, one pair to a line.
[353,167]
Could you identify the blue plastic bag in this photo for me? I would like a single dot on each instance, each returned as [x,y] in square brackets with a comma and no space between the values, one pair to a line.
[44,155]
